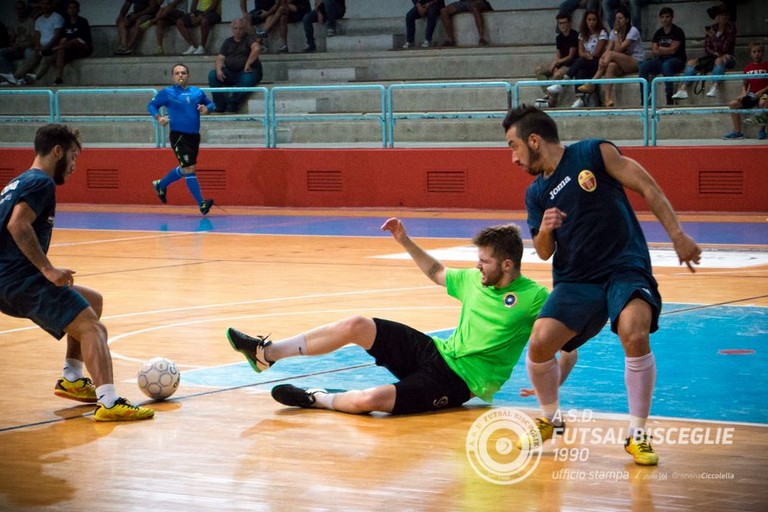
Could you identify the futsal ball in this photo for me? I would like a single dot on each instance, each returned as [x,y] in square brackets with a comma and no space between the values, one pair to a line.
[158,378]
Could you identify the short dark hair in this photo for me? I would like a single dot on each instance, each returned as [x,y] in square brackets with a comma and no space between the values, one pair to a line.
[666,10]
[562,16]
[529,119]
[51,135]
[179,64]
[505,240]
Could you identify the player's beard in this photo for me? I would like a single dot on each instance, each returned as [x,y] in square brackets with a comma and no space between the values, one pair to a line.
[60,171]
[534,161]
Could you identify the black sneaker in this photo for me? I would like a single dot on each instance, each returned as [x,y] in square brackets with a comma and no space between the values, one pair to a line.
[252,348]
[309,48]
[290,395]
[159,191]
[205,206]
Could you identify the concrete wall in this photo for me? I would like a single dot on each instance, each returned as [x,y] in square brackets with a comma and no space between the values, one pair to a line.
[719,178]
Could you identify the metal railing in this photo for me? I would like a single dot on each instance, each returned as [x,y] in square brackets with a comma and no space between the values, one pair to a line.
[387,114]
[393,116]
[656,111]
[50,117]
[276,117]
[641,112]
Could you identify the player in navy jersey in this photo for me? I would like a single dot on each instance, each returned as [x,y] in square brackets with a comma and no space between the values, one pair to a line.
[184,103]
[578,212]
[32,287]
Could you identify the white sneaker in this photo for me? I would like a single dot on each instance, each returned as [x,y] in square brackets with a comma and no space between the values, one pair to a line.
[8,77]
[712,93]
[190,50]
[199,50]
[425,44]
[407,45]
[680,95]
[554,89]
[579,103]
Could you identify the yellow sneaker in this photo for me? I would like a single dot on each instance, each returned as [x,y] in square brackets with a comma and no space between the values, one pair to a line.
[81,390]
[641,450]
[123,410]
[546,430]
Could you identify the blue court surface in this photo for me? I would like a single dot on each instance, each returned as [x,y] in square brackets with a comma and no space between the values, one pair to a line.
[711,358]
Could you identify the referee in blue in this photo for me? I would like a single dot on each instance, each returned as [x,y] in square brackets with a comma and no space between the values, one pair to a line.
[184,103]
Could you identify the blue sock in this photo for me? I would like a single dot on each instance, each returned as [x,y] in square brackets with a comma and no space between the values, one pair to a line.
[172,176]
[194,188]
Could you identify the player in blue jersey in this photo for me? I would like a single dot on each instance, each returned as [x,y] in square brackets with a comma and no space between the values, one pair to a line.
[184,104]
[32,287]
[578,212]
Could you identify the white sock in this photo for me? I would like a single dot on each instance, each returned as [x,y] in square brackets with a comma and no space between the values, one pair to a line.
[545,378]
[640,379]
[323,399]
[107,395]
[289,347]
[73,369]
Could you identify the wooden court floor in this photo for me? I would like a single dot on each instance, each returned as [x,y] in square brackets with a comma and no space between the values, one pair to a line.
[234,448]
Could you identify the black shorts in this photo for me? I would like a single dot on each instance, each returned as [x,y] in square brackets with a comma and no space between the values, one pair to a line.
[749,100]
[213,18]
[186,147]
[426,383]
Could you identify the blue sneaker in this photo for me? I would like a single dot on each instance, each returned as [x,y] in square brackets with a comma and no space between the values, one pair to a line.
[761,134]
[733,136]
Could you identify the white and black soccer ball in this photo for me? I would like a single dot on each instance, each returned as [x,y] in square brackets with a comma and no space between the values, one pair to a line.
[158,378]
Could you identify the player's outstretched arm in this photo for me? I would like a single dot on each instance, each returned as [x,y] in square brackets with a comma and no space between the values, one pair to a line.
[634,177]
[432,268]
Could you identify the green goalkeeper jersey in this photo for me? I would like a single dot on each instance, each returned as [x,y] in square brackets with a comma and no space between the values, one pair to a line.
[494,326]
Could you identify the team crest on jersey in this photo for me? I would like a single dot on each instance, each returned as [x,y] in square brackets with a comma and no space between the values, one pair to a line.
[587,180]
[510,300]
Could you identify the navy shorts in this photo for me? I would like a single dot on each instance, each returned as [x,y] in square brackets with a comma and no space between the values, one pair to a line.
[34,297]
[426,382]
[185,147]
[585,307]
[466,5]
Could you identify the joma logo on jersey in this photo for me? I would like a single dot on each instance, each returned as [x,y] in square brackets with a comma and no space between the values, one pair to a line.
[559,187]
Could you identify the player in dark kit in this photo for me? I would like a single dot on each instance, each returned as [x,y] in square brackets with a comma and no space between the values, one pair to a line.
[31,287]
[578,212]
[185,103]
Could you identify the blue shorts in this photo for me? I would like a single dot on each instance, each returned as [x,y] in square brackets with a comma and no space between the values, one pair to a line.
[585,307]
[34,297]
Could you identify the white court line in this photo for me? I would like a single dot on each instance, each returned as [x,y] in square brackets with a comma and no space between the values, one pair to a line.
[659,257]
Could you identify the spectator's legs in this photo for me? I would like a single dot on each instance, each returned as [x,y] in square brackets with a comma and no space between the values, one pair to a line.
[122,32]
[186,34]
[309,30]
[31,60]
[207,21]
[690,70]
[670,67]
[736,118]
[432,15]
[249,79]
[568,6]
[609,11]
[410,25]
[446,16]
[219,98]
[7,56]
[134,30]
[635,11]
[333,13]
[648,68]
[479,23]
[282,31]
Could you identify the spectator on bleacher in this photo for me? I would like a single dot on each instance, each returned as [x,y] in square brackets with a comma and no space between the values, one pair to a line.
[184,103]
[668,49]
[170,12]
[624,54]
[325,11]
[476,7]
[132,15]
[21,46]
[258,15]
[76,43]
[568,7]
[35,8]
[635,9]
[49,28]
[237,65]
[281,14]
[429,9]
[719,46]
[593,41]
[204,14]
[751,90]
[567,44]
